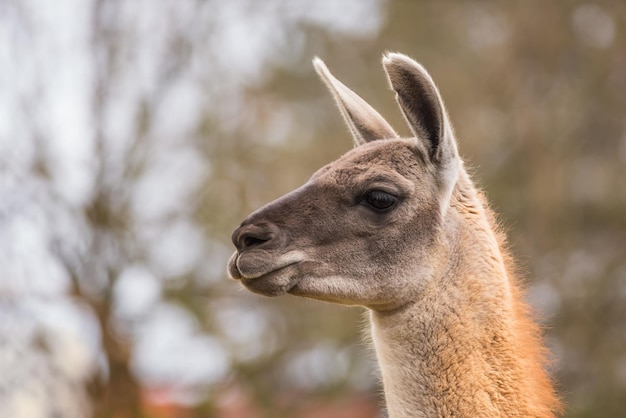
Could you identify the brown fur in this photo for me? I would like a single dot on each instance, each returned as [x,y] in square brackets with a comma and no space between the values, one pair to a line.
[452,334]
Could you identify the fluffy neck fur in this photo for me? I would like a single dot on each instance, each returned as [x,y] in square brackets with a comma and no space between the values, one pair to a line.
[467,347]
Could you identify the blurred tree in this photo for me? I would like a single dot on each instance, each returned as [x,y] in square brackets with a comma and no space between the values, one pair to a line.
[134,136]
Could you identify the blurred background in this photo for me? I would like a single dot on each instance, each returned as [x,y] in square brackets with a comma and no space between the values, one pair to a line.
[135,136]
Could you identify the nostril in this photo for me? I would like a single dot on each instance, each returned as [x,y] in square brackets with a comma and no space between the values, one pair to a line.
[251,236]
[250,241]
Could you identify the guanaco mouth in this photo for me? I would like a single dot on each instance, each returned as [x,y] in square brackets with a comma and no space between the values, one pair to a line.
[236,272]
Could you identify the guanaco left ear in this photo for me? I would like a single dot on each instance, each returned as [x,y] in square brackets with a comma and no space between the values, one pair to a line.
[365,123]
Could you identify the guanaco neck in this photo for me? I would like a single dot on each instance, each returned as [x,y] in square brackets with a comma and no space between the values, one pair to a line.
[466,347]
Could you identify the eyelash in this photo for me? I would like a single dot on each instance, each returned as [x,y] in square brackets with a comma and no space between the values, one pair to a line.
[379,200]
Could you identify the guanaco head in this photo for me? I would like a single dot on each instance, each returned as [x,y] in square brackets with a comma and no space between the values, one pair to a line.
[365,229]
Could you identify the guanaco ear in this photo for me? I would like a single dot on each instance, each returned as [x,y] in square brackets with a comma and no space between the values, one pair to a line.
[365,123]
[422,106]
[426,115]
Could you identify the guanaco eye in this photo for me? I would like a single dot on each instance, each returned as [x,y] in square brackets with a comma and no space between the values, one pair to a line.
[379,200]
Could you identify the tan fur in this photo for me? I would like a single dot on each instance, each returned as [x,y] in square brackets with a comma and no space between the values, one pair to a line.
[452,334]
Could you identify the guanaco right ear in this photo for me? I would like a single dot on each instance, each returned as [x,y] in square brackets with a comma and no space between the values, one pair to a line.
[365,123]
[422,107]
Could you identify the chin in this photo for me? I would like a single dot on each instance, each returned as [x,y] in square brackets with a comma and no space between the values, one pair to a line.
[275,283]
[267,286]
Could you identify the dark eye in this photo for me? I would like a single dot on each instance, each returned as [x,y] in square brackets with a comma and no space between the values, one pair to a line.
[379,201]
